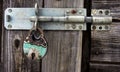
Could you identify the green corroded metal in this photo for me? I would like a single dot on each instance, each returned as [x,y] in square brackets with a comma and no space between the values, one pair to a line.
[40,49]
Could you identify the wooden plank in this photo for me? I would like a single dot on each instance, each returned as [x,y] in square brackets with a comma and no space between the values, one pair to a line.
[1,67]
[104,67]
[65,47]
[106,44]
[64,54]
[13,59]
[1,14]
[105,52]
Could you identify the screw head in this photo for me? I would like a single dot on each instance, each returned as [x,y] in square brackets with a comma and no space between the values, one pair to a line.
[73,26]
[106,27]
[80,27]
[94,27]
[106,12]
[9,26]
[80,12]
[9,10]
[67,12]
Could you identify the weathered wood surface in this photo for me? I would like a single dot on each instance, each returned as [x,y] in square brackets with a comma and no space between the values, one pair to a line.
[96,67]
[1,65]
[64,53]
[106,44]
[13,59]
[64,47]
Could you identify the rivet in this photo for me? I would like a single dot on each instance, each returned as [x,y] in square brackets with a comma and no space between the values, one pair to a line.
[94,27]
[10,10]
[67,26]
[73,26]
[80,27]
[9,26]
[80,12]
[106,27]
[67,11]
[106,12]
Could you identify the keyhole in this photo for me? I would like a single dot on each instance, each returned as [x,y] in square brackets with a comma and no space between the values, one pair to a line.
[33,55]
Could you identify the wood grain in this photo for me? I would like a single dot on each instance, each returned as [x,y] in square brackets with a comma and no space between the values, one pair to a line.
[106,44]
[64,53]
[13,58]
[104,68]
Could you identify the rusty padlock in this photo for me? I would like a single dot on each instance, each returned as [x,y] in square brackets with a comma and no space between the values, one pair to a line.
[35,44]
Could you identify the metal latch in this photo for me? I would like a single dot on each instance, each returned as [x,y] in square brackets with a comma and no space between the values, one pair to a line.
[57,18]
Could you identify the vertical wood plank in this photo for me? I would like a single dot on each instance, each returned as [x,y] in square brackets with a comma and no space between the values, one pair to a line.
[64,47]
[0,28]
[13,59]
[1,49]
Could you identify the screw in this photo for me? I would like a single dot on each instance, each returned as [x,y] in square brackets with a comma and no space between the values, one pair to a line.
[67,26]
[10,10]
[73,26]
[106,27]
[9,26]
[80,27]
[80,12]
[94,27]
[67,11]
[106,12]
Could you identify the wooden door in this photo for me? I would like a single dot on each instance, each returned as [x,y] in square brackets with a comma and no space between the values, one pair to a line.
[64,47]
[105,50]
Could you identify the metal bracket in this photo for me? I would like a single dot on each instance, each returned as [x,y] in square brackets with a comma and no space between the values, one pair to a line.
[57,19]
[21,18]
[99,15]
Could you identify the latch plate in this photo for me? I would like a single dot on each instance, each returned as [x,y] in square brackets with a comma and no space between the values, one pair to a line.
[104,25]
[19,18]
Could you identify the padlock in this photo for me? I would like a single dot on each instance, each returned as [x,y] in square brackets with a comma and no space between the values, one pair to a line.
[35,44]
